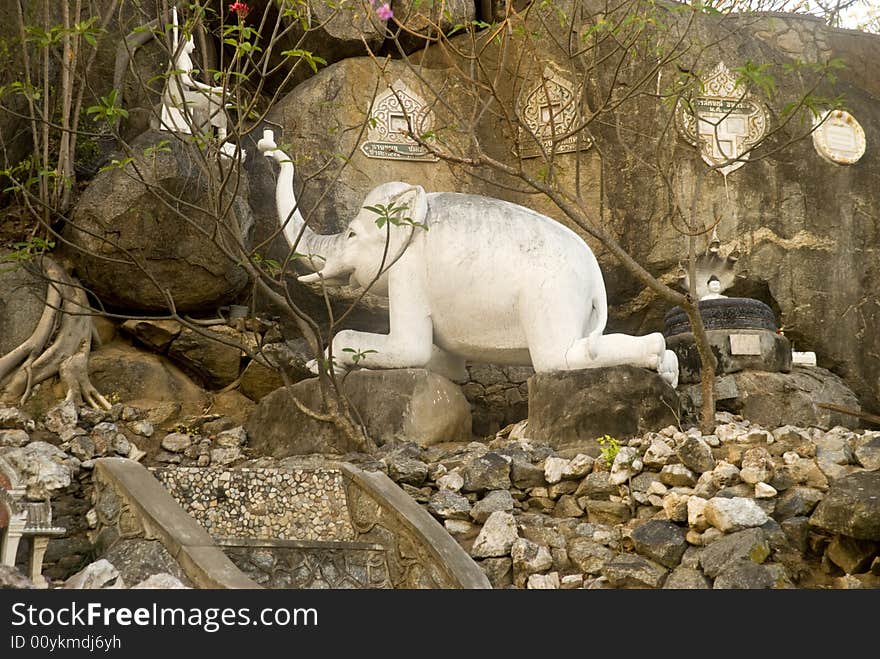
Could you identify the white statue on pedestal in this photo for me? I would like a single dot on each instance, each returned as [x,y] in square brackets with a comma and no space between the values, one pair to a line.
[467,278]
[188,104]
[714,286]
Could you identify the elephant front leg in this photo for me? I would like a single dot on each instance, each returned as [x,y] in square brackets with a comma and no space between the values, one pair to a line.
[395,350]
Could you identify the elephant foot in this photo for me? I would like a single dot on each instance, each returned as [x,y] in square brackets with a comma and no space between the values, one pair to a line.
[668,368]
[315,368]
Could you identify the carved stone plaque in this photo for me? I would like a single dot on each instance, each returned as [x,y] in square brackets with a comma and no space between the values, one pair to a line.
[392,114]
[550,112]
[723,121]
[839,138]
[745,344]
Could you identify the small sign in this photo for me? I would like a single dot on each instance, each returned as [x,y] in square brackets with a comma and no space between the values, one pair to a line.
[398,113]
[745,344]
[839,138]
[550,113]
[723,121]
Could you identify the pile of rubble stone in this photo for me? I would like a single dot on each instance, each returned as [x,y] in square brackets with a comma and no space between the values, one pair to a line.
[745,507]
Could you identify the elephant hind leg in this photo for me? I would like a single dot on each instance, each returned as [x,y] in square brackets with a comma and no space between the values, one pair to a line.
[446,364]
[618,349]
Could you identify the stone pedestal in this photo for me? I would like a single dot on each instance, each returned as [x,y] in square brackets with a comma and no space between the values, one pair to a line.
[735,350]
[400,404]
[38,547]
[570,409]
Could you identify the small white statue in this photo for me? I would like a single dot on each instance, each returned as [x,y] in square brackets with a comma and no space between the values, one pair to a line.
[189,104]
[714,286]
[467,278]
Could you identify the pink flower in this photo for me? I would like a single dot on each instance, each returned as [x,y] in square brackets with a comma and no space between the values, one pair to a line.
[239,8]
[384,12]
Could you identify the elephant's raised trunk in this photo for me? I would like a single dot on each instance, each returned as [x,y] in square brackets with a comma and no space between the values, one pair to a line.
[315,248]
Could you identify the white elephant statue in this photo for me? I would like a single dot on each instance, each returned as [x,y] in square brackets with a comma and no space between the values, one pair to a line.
[469,278]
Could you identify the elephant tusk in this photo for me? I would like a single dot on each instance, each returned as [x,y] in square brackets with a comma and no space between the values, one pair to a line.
[312,278]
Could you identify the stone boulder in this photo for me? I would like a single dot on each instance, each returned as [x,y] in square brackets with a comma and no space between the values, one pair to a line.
[261,376]
[22,296]
[573,408]
[145,380]
[43,468]
[774,349]
[774,399]
[212,354]
[403,404]
[851,507]
[12,579]
[121,231]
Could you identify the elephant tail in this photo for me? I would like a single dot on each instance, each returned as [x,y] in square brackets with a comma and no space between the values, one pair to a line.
[599,314]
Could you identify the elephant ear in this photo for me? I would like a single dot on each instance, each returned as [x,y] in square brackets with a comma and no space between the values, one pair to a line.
[416,201]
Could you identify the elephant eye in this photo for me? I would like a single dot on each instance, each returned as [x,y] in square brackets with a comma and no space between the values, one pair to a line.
[351,234]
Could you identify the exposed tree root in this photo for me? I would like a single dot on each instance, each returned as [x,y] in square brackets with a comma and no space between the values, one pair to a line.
[67,308]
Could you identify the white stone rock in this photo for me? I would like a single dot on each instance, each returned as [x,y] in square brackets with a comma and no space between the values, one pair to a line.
[669,431]
[555,468]
[675,506]
[658,454]
[232,438]
[758,436]
[161,581]
[92,518]
[143,428]
[696,518]
[14,437]
[458,526]
[764,491]
[452,481]
[579,466]
[677,475]
[725,474]
[656,487]
[734,514]
[729,432]
[790,457]
[543,581]
[225,456]
[757,466]
[623,467]
[61,417]
[176,442]
[712,440]
[571,581]
[42,467]
[530,557]
[496,537]
[100,574]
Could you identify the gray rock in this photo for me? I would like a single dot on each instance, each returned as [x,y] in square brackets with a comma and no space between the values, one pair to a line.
[11,418]
[529,558]
[677,475]
[43,468]
[768,398]
[695,454]
[631,571]
[121,445]
[176,442]
[851,507]
[796,502]
[572,408]
[675,506]
[867,451]
[395,404]
[82,447]
[606,512]
[12,579]
[662,542]
[162,581]
[725,474]
[212,353]
[486,472]
[685,578]
[567,506]
[734,514]
[232,438]
[225,456]
[797,531]
[404,469]
[118,211]
[499,571]
[493,501]
[589,556]
[744,575]
[657,455]
[851,555]
[263,374]
[597,486]
[14,438]
[750,544]
[543,581]
[100,574]
[496,537]
[757,466]
[447,504]
[21,303]
[137,559]
[61,417]
[157,334]
[525,475]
